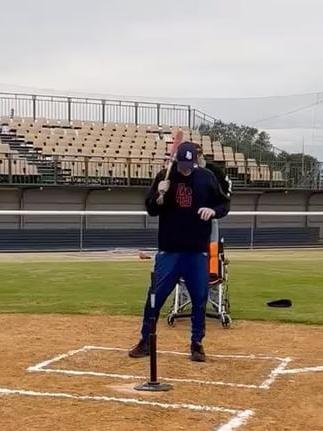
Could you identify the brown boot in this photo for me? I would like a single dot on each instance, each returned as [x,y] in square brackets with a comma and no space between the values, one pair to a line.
[140,350]
[197,352]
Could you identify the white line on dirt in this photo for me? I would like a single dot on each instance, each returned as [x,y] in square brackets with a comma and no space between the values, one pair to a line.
[169,352]
[275,373]
[134,377]
[302,370]
[42,365]
[237,421]
[192,407]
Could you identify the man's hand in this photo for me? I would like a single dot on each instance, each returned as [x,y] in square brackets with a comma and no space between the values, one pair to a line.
[206,213]
[163,187]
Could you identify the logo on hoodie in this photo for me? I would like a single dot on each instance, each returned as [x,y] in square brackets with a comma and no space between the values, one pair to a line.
[184,196]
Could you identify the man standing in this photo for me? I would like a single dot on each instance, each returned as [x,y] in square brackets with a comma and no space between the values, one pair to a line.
[191,199]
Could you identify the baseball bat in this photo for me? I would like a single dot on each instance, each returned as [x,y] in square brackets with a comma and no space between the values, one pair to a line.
[177,141]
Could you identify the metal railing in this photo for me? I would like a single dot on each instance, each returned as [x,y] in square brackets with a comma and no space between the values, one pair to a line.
[52,230]
[97,171]
[69,109]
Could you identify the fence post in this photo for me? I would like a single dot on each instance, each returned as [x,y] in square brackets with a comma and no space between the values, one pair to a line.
[69,103]
[136,113]
[189,113]
[194,119]
[128,172]
[103,111]
[158,114]
[34,107]
[81,233]
[10,168]
[252,233]
[55,159]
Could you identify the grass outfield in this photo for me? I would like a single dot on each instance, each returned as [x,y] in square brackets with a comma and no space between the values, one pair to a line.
[119,287]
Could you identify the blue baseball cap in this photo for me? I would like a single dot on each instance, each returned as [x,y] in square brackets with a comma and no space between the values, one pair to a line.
[186,156]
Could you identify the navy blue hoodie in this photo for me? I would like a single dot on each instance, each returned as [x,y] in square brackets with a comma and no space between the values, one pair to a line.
[180,226]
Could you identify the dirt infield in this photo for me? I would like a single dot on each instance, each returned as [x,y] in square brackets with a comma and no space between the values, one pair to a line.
[134,255]
[73,373]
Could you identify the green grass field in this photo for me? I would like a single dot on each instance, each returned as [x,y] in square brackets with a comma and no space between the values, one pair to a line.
[119,287]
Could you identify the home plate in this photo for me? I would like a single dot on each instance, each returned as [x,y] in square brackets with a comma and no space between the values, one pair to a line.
[129,388]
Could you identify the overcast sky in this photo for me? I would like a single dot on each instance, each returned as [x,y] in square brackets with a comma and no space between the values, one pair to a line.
[170,48]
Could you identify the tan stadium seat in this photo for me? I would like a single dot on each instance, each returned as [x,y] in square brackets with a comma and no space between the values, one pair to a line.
[5,119]
[206,139]
[41,122]
[71,132]
[86,152]
[241,167]
[106,133]
[207,148]
[141,135]
[159,152]
[254,173]
[135,170]
[147,154]
[218,156]
[48,151]
[166,129]
[251,163]
[77,124]
[115,145]
[131,129]
[196,137]
[101,152]
[135,152]
[4,166]
[228,154]
[230,163]
[97,128]
[126,142]
[53,123]
[145,170]
[111,152]
[217,147]
[119,170]
[239,156]
[253,170]
[46,132]
[156,167]
[4,148]
[139,141]
[277,176]
[150,145]
[264,172]
[124,152]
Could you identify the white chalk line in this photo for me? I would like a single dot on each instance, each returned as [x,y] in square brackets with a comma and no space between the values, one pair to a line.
[41,367]
[236,422]
[169,352]
[275,373]
[303,370]
[134,377]
[243,414]
[57,358]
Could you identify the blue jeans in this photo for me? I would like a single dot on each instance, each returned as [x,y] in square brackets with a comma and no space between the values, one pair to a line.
[169,268]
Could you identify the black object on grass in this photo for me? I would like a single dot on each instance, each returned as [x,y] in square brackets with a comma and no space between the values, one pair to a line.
[280,303]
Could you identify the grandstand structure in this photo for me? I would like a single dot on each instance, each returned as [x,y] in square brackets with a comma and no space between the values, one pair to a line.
[113,143]
[90,155]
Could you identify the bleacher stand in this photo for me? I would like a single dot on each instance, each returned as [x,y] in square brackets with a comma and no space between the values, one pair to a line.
[55,151]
